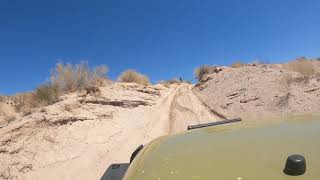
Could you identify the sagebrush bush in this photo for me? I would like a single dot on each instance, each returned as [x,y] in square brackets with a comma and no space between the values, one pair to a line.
[201,71]
[64,78]
[70,78]
[133,76]
[47,94]
[303,66]
[237,64]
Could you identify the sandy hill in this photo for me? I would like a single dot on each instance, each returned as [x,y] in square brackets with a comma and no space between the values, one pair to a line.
[261,90]
[81,135]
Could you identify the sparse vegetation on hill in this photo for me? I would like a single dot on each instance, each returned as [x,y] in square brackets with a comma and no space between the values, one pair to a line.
[205,69]
[201,71]
[133,76]
[302,65]
[237,64]
[88,121]
[65,78]
[47,94]
[23,102]
[70,78]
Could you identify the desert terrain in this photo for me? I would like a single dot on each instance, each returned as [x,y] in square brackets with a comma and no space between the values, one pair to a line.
[83,133]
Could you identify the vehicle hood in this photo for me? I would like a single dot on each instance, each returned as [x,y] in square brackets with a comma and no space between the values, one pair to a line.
[241,151]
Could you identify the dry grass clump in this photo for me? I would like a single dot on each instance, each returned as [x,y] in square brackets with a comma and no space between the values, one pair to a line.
[46,94]
[24,102]
[201,71]
[237,64]
[303,66]
[70,78]
[64,78]
[133,76]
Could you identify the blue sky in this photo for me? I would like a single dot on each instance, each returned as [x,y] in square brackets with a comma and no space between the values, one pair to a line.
[161,38]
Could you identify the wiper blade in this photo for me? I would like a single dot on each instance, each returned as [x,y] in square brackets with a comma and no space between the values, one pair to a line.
[214,123]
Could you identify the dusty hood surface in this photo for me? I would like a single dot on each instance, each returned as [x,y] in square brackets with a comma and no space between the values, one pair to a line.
[231,153]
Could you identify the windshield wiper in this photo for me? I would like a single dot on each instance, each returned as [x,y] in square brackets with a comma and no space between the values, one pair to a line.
[214,123]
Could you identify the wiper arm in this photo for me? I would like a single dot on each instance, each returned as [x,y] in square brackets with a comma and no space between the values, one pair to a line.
[214,123]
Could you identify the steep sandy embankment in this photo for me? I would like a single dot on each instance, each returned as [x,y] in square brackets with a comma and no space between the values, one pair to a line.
[82,135]
[262,90]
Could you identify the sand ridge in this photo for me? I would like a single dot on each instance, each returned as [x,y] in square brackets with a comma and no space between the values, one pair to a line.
[83,134]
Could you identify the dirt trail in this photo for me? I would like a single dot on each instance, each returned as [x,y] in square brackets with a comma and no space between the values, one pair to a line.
[84,149]
[186,109]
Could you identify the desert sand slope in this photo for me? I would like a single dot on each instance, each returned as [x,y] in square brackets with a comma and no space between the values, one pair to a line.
[262,90]
[79,137]
[7,113]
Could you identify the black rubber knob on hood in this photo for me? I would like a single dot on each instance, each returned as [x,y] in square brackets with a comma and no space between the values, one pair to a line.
[295,165]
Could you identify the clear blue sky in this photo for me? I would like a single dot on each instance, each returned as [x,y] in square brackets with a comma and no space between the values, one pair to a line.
[161,38]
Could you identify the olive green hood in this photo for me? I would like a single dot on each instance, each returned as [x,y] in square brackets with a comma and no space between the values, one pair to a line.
[255,151]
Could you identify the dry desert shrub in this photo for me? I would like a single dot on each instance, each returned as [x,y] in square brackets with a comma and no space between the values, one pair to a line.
[237,64]
[303,66]
[24,102]
[64,78]
[70,78]
[199,72]
[46,94]
[133,76]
